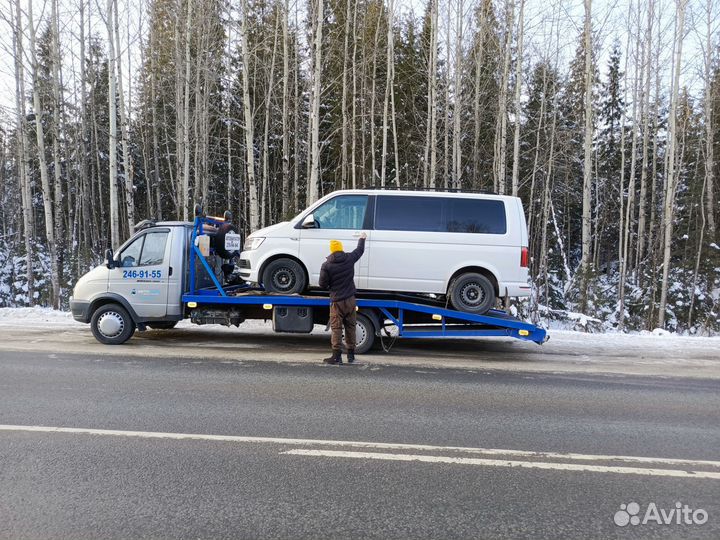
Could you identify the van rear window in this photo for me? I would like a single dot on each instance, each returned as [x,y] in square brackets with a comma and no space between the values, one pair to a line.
[476,216]
[440,214]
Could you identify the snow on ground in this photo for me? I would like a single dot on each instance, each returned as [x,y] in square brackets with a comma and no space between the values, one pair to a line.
[47,317]
[25,316]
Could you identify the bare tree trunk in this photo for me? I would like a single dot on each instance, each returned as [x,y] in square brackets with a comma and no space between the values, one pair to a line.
[457,106]
[373,99]
[518,87]
[185,191]
[671,183]
[285,109]
[314,178]
[353,132]
[128,169]
[266,127]
[501,122]
[446,107]
[626,240]
[479,57]
[389,80]
[112,147]
[429,163]
[22,154]
[709,124]
[344,105]
[587,167]
[44,177]
[249,123]
[646,138]
[57,124]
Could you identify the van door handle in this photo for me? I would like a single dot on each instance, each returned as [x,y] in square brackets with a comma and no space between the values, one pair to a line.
[170,272]
[357,234]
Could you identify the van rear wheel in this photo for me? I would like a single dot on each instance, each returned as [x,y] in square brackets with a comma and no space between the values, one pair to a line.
[284,276]
[472,293]
[111,324]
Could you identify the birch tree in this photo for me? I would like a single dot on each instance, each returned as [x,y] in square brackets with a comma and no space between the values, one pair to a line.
[42,161]
[671,182]
[316,87]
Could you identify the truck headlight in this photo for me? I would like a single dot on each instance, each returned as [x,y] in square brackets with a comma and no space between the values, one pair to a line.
[253,242]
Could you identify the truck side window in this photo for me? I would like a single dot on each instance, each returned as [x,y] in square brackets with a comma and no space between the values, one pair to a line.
[153,251]
[342,212]
[131,254]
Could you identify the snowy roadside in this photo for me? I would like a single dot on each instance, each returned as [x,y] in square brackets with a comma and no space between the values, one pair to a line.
[662,354]
[25,317]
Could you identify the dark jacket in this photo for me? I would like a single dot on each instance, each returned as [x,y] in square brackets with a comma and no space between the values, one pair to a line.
[337,273]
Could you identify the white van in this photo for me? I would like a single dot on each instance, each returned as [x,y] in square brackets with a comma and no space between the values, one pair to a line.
[471,247]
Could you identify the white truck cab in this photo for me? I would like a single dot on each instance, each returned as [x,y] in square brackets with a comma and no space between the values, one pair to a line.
[144,281]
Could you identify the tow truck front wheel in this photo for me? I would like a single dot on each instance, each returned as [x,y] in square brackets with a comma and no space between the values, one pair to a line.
[111,324]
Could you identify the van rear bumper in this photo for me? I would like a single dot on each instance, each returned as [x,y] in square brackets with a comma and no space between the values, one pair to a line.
[519,288]
[80,310]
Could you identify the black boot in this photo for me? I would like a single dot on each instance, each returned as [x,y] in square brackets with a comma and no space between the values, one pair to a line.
[336,358]
[351,356]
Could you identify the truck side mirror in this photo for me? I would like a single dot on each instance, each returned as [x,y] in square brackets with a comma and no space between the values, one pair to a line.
[309,222]
[110,259]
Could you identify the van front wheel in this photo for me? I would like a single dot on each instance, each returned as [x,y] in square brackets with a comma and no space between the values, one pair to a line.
[472,293]
[284,276]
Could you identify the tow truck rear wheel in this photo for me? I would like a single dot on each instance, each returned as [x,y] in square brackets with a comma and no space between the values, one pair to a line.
[364,334]
[472,293]
[284,276]
[111,324]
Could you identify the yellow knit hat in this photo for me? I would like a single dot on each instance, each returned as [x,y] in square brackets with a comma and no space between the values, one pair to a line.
[335,245]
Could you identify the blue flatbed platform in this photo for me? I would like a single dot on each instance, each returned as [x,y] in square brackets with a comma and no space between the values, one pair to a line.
[414,316]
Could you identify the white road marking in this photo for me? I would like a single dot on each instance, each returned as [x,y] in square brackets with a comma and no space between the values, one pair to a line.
[359,444]
[506,463]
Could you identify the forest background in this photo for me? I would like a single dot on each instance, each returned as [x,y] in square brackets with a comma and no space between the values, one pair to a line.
[601,116]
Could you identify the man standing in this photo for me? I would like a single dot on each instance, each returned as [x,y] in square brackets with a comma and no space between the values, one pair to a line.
[337,275]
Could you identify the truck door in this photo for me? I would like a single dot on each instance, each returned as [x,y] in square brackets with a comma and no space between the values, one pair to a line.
[141,276]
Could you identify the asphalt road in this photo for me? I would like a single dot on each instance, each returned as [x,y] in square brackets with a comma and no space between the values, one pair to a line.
[386,451]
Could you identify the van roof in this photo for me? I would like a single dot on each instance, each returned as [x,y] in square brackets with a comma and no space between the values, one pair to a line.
[424,193]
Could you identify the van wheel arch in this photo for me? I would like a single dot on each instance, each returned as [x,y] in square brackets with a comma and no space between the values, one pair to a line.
[265,264]
[476,269]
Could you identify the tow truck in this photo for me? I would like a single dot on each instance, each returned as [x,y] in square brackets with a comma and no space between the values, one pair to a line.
[169,271]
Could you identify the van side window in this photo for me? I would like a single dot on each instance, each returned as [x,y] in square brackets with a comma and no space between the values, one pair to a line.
[476,216]
[342,212]
[400,213]
[153,251]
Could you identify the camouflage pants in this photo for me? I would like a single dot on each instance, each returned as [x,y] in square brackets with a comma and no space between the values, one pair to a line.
[342,314]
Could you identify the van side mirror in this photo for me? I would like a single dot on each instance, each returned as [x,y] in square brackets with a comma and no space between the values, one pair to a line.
[309,222]
[110,259]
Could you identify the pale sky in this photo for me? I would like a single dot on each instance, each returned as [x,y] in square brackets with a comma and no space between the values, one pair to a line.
[610,20]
